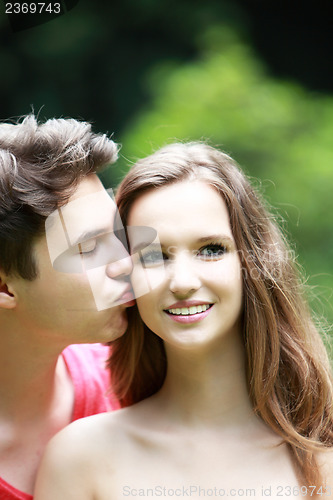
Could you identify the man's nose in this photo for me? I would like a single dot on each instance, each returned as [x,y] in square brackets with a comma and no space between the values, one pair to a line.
[120,262]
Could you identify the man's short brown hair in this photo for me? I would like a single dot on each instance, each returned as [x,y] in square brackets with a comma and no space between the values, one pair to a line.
[41,165]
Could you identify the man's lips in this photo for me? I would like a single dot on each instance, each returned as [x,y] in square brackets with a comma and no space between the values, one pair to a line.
[127,297]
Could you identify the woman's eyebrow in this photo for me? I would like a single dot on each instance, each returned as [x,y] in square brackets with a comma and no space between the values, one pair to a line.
[214,237]
[140,237]
[160,245]
[144,244]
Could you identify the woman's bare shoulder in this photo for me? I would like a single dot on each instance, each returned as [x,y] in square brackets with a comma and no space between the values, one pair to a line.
[70,465]
[95,432]
[90,432]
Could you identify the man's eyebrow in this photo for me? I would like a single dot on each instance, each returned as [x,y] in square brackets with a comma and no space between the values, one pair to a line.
[88,235]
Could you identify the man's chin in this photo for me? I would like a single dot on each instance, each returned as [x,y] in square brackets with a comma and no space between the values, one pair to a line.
[119,322]
[123,303]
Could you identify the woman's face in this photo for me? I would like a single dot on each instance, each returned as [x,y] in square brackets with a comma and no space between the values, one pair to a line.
[189,279]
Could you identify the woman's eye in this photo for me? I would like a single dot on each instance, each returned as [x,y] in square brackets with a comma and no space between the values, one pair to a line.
[150,258]
[212,251]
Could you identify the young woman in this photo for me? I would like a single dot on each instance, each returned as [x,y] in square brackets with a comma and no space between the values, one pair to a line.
[228,376]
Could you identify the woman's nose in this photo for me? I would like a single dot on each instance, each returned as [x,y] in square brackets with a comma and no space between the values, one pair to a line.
[184,278]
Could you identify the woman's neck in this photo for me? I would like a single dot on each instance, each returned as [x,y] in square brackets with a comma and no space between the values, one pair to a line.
[207,384]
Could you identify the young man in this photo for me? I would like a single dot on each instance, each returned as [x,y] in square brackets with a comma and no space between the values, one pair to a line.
[63,281]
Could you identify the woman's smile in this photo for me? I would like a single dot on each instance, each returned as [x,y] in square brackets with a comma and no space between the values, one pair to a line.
[188,311]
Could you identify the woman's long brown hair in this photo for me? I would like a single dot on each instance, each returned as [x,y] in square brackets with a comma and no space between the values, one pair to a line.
[288,371]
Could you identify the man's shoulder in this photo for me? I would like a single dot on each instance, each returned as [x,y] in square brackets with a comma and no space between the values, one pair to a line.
[86,361]
[87,351]
[87,367]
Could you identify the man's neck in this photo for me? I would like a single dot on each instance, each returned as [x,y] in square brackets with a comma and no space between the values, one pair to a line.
[36,401]
[29,422]
[31,374]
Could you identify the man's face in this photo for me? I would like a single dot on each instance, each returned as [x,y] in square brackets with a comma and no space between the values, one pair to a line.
[82,289]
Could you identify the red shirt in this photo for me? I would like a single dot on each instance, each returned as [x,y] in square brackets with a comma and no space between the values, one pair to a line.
[86,366]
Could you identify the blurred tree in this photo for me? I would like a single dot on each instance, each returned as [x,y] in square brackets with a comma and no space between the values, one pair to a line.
[279,132]
[91,62]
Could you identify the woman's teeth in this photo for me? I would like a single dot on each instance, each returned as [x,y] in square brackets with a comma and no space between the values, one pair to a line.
[187,311]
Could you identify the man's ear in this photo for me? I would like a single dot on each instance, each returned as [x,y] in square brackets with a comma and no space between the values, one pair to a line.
[7,294]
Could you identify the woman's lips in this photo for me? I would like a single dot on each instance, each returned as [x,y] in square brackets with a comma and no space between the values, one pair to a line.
[190,313]
[187,303]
